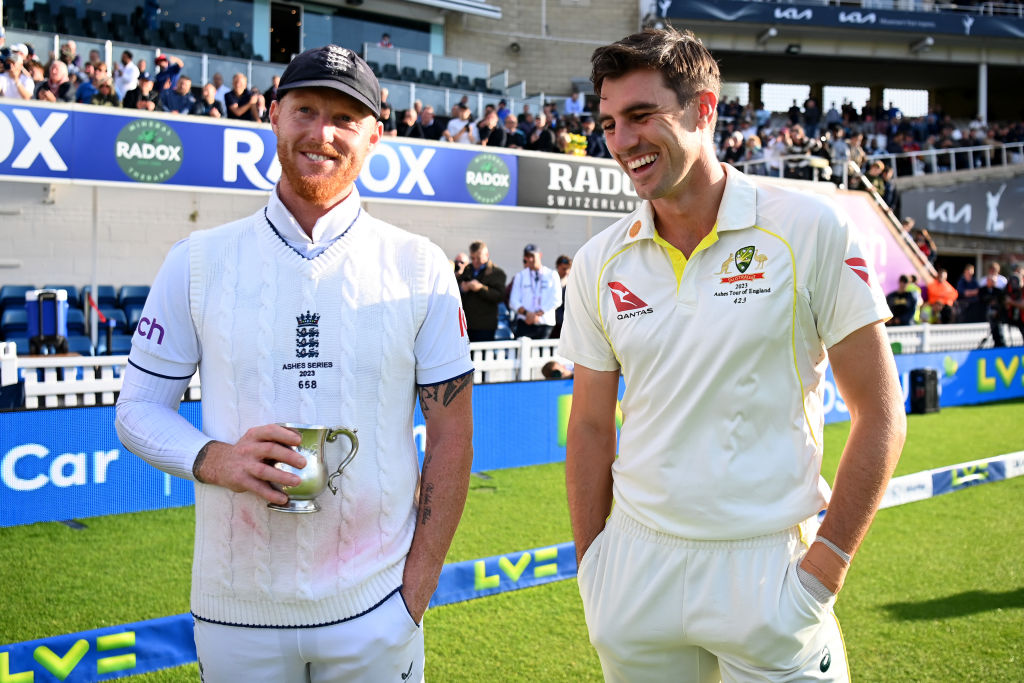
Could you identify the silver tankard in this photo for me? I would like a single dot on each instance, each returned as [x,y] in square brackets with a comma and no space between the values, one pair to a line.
[314,474]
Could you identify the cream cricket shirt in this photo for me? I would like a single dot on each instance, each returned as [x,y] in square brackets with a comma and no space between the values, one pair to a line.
[723,356]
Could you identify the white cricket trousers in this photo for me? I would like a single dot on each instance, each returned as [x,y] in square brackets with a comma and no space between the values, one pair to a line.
[384,644]
[664,608]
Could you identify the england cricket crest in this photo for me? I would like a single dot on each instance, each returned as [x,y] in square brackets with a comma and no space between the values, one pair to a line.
[743,258]
[307,335]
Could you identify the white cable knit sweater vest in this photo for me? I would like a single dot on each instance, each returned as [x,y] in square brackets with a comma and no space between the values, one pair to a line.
[261,364]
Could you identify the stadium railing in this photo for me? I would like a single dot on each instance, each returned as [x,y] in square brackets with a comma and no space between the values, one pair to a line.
[63,382]
[932,161]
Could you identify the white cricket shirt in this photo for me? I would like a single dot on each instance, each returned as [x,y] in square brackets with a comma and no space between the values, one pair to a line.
[724,369]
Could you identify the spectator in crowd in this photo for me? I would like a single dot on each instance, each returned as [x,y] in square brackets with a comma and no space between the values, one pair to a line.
[514,137]
[596,146]
[752,155]
[483,287]
[541,138]
[57,87]
[16,82]
[536,293]
[563,142]
[942,298]
[432,127]
[385,41]
[554,369]
[574,104]
[563,264]
[271,93]
[387,121]
[240,102]
[86,87]
[460,262]
[145,96]
[794,114]
[207,105]
[915,289]
[971,308]
[812,117]
[460,127]
[221,88]
[833,118]
[105,95]
[1015,298]
[503,110]
[902,303]
[179,99]
[992,298]
[496,135]
[168,70]
[924,242]
[417,106]
[126,74]
[409,127]
[69,55]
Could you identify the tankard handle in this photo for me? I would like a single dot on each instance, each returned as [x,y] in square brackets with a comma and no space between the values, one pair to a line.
[332,436]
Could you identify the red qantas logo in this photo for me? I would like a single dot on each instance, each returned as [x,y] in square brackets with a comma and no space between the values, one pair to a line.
[859,266]
[462,323]
[625,300]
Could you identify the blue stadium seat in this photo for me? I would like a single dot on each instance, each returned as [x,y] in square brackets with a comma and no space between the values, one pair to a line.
[21,344]
[13,296]
[73,298]
[76,321]
[120,345]
[12,321]
[118,316]
[78,343]
[134,314]
[106,296]
[132,295]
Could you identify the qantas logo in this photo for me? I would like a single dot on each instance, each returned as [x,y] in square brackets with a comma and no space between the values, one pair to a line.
[860,267]
[627,303]
[462,323]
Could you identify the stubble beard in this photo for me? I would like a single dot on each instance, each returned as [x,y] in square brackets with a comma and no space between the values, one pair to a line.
[320,190]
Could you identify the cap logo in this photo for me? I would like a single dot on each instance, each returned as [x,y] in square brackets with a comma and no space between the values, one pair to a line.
[338,59]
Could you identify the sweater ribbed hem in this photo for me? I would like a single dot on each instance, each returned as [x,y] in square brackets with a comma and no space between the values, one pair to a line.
[330,609]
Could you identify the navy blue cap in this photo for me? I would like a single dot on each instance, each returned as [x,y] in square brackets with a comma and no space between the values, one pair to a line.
[333,66]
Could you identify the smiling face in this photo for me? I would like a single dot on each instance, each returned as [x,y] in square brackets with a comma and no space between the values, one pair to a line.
[656,140]
[323,138]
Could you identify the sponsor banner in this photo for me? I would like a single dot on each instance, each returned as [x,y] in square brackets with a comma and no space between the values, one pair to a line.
[992,208]
[93,144]
[102,654]
[957,477]
[68,464]
[571,183]
[462,581]
[965,378]
[909,488]
[1014,463]
[949,23]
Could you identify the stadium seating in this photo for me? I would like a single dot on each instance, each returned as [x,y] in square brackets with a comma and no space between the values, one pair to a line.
[106,296]
[120,345]
[132,295]
[13,296]
[76,321]
[80,344]
[14,321]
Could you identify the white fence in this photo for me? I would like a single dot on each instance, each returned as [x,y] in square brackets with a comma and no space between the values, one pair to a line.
[69,381]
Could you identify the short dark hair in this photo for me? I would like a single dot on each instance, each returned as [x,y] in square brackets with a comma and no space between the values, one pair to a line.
[477,246]
[686,66]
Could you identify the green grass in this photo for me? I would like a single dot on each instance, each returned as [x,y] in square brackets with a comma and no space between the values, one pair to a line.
[936,592]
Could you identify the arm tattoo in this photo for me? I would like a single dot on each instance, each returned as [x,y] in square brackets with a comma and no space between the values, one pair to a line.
[199,461]
[425,511]
[433,394]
